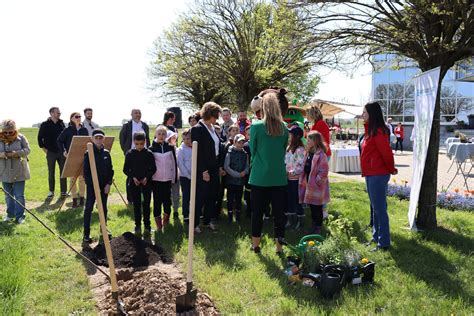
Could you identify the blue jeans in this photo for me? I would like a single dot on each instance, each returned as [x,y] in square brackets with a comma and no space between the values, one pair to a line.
[294,206]
[377,190]
[17,189]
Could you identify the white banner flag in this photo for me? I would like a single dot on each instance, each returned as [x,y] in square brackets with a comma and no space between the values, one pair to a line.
[426,87]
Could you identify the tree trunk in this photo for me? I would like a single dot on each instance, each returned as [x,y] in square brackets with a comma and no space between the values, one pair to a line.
[426,217]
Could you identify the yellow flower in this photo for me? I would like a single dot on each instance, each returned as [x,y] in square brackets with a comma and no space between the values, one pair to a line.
[394,180]
[364,261]
[311,243]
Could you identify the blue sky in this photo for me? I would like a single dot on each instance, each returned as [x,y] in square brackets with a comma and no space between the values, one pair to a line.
[74,54]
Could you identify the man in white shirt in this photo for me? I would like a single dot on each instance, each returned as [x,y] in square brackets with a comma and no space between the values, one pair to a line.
[130,128]
[126,137]
[88,123]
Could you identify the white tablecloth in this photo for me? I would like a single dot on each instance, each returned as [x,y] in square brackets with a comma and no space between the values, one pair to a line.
[451,140]
[460,151]
[345,160]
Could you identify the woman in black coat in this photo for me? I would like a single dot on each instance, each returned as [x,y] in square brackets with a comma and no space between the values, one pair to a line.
[64,141]
[208,166]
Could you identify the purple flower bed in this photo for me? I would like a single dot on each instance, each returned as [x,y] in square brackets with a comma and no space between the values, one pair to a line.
[447,200]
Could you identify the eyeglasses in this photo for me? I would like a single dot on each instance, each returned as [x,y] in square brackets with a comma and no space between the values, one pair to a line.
[77,116]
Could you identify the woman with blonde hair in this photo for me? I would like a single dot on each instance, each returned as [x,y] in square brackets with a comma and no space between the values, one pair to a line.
[268,142]
[14,169]
[64,141]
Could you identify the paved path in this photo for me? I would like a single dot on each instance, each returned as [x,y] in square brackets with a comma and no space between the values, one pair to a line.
[404,164]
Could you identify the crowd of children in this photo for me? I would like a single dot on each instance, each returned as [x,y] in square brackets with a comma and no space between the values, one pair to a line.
[154,170]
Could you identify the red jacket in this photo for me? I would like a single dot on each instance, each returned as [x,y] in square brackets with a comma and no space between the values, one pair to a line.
[376,158]
[323,128]
[399,131]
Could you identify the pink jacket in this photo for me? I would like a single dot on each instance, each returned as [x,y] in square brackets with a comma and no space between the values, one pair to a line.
[315,191]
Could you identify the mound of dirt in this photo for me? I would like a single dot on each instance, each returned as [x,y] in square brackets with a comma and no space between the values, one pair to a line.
[152,291]
[128,251]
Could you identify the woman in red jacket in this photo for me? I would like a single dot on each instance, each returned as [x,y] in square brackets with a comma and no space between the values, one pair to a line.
[399,132]
[314,114]
[377,165]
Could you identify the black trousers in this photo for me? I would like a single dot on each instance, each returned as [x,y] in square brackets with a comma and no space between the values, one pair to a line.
[316,215]
[137,193]
[234,197]
[161,197]
[186,194]
[399,141]
[206,197]
[263,196]
[90,200]
[52,159]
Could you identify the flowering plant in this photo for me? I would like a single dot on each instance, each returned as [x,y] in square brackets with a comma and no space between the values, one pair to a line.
[448,200]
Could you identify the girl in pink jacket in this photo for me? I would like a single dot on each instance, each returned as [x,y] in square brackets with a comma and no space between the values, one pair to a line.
[314,183]
[165,175]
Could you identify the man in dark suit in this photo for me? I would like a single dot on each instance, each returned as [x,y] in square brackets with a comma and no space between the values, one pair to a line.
[133,126]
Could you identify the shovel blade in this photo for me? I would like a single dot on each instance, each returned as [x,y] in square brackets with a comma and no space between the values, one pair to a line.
[186,301]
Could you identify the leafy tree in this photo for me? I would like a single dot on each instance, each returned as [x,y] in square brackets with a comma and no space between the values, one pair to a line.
[431,33]
[234,49]
[302,88]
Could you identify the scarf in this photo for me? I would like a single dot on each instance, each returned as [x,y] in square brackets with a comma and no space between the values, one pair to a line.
[8,139]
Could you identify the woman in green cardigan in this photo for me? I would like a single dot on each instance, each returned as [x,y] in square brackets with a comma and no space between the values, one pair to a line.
[268,141]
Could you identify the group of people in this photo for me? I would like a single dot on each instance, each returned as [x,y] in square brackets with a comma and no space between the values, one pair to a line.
[265,163]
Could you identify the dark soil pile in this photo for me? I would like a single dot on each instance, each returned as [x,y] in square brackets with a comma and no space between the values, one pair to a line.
[153,291]
[128,251]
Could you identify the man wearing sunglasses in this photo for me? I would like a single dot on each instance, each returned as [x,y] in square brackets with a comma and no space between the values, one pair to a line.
[47,140]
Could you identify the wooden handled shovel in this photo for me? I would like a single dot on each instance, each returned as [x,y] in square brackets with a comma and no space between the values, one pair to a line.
[103,229]
[187,301]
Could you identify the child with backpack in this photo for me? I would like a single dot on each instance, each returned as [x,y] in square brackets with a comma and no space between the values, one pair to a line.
[140,167]
[164,177]
[236,166]
[294,161]
[314,183]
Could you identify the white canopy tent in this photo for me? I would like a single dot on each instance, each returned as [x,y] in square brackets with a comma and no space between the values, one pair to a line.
[330,108]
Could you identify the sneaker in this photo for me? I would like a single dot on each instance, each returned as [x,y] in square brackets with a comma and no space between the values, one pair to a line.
[266,217]
[212,226]
[255,249]
[21,220]
[64,195]
[197,230]
[50,195]
[87,240]
[7,219]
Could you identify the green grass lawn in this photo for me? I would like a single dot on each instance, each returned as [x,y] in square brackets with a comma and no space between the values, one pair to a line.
[425,273]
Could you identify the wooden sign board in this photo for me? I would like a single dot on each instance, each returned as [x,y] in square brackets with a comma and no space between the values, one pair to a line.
[75,157]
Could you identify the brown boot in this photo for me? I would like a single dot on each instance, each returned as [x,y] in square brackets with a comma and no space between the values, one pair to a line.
[81,201]
[75,203]
[166,219]
[159,224]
